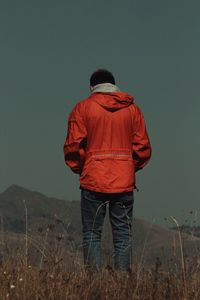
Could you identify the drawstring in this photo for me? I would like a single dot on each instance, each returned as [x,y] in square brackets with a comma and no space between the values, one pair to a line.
[136,188]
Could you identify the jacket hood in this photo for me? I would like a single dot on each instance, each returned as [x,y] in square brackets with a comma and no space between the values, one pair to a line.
[110,97]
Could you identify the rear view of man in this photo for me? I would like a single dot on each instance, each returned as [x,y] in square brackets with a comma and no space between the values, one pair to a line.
[106,144]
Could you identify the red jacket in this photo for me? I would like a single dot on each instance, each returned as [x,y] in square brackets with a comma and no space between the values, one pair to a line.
[107,142]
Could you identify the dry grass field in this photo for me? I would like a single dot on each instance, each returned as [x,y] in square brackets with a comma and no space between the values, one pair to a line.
[57,274]
[26,283]
[41,256]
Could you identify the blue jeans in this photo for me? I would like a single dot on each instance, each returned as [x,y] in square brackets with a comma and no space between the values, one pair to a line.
[93,211]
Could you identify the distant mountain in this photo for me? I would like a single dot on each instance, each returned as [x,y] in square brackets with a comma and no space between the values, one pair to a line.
[149,240]
[41,210]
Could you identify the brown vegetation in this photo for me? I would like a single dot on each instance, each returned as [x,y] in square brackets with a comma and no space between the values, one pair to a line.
[47,269]
[55,282]
[43,259]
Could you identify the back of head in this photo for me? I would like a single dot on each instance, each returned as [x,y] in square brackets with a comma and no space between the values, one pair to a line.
[101,76]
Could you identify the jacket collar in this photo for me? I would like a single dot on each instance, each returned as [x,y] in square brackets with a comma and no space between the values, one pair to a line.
[104,88]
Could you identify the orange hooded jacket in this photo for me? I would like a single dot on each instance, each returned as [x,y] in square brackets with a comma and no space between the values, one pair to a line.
[107,141]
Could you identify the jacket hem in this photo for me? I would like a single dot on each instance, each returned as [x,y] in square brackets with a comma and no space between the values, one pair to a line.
[109,191]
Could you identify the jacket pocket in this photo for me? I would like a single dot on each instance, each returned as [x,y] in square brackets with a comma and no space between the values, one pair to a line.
[115,171]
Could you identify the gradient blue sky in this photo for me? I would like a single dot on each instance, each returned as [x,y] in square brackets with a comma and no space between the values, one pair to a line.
[48,50]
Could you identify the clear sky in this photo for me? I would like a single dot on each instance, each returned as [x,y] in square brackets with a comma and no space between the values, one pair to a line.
[48,50]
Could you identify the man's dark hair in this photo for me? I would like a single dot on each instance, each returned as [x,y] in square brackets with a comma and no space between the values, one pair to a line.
[101,76]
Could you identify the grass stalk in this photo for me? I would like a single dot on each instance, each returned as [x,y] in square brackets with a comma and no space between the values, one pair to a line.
[26,234]
[182,256]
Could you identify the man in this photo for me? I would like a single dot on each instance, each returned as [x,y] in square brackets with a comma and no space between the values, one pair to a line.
[106,144]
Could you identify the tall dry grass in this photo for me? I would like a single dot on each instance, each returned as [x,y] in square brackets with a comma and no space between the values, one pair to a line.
[54,282]
[61,275]
[48,266]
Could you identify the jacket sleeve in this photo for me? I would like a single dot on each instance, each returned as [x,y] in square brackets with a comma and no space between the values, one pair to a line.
[140,144]
[75,143]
